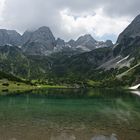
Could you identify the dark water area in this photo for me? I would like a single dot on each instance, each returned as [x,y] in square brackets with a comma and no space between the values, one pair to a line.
[65,114]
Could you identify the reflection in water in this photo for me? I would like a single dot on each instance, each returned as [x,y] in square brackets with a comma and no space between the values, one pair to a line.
[70,115]
[137,92]
[63,136]
[102,137]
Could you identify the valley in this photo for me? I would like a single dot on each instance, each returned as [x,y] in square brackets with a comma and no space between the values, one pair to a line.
[86,62]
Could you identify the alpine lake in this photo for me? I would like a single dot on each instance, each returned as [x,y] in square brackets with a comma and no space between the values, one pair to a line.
[70,114]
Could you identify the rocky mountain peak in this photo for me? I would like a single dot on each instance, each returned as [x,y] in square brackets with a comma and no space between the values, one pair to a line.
[60,41]
[86,41]
[85,38]
[109,43]
[129,40]
[131,31]
[72,43]
[41,42]
[43,34]
[26,37]
[43,28]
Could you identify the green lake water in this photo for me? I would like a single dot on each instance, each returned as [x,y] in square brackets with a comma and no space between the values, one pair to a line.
[57,114]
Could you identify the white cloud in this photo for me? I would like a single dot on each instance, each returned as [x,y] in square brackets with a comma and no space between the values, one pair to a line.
[97,24]
[2,2]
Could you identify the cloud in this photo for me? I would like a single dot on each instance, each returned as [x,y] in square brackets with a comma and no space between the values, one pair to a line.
[97,24]
[69,18]
[1,8]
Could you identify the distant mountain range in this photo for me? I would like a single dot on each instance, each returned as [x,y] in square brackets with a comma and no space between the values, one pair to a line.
[38,55]
[43,42]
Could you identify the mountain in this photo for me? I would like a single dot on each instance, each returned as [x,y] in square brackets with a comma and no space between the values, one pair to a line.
[40,42]
[127,48]
[43,42]
[60,45]
[126,54]
[42,57]
[129,40]
[38,53]
[87,43]
[72,43]
[132,31]
[81,64]
[9,37]
[121,60]
[14,61]
[26,37]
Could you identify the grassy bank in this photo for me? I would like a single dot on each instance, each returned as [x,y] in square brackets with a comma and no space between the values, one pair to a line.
[15,86]
[12,86]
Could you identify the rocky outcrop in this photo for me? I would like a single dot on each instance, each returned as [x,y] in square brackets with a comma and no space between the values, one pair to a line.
[9,37]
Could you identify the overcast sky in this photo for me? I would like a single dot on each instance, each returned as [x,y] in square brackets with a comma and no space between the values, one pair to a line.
[103,19]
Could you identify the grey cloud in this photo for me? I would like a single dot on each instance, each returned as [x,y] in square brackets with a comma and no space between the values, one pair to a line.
[123,8]
[30,14]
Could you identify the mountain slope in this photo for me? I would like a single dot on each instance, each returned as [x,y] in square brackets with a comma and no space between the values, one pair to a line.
[81,64]
[9,37]
[129,40]
[15,62]
[132,31]
[88,43]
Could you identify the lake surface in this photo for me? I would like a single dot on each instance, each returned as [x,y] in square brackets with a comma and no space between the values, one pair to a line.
[57,114]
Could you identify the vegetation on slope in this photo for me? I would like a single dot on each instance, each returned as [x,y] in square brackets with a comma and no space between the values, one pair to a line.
[63,70]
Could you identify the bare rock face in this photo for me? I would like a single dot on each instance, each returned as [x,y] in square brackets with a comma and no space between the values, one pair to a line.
[9,37]
[132,31]
[87,41]
[72,43]
[43,35]
[39,42]
[109,43]
[26,37]
[60,44]
[129,40]
[4,38]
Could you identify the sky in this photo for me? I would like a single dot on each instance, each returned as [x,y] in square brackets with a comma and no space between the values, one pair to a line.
[69,19]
